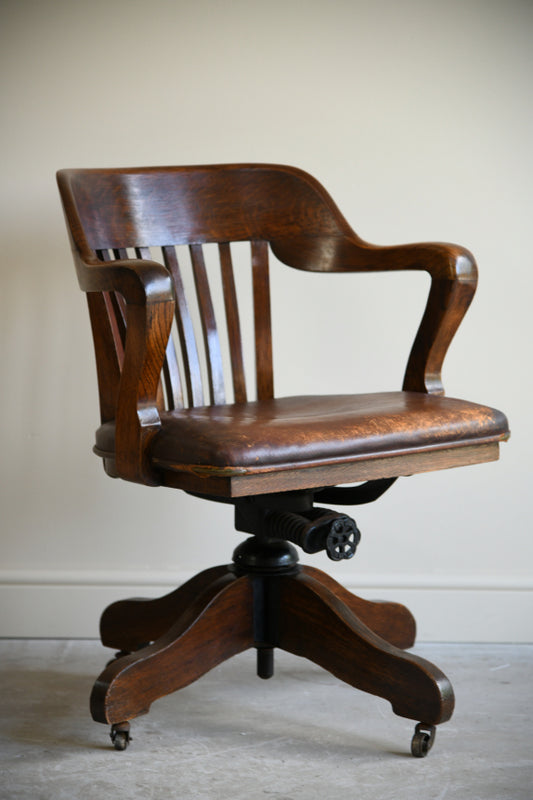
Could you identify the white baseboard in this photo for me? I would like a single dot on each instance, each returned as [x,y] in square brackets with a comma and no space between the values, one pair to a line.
[63,604]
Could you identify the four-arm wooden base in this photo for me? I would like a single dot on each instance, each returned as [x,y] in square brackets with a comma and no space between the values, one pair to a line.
[171,641]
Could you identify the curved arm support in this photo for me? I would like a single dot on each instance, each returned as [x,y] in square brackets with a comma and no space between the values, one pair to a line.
[147,289]
[453,274]
[137,420]
[446,306]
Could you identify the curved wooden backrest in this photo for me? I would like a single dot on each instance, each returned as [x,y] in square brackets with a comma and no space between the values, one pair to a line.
[170,215]
[183,205]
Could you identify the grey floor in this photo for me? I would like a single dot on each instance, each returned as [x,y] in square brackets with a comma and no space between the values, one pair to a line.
[300,736]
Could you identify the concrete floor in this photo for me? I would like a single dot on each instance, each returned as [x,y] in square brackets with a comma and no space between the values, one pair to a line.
[300,736]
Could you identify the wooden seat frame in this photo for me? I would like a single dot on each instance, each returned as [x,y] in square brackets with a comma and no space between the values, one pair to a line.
[264,598]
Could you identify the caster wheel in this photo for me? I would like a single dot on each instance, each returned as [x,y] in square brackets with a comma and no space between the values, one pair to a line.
[120,735]
[423,739]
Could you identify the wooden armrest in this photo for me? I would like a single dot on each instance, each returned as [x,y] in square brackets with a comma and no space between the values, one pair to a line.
[147,289]
[453,274]
[139,281]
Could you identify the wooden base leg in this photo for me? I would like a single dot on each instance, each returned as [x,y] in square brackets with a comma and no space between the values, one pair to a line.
[317,625]
[128,624]
[391,621]
[215,626]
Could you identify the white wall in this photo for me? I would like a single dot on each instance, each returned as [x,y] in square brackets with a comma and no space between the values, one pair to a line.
[417,117]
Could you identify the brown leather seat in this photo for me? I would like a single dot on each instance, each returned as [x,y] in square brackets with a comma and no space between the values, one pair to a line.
[313,430]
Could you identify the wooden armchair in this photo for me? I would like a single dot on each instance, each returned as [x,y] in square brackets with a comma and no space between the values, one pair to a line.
[173,413]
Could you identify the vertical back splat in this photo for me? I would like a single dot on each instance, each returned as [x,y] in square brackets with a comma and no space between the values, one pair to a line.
[233,323]
[262,322]
[171,376]
[182,372]
[193,377]
[215,372]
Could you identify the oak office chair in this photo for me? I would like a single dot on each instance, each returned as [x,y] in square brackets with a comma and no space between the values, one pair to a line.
[166,421]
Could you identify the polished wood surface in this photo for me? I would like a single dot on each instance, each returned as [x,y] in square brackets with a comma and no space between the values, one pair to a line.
[316,625]
[390,621]
[214,626]
[210,618]
[120,219]
[177,411]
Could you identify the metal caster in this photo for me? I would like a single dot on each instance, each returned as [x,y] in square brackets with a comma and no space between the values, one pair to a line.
[423,739]
[120,735]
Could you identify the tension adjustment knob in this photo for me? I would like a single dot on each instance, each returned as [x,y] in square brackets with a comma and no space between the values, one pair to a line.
[342,539]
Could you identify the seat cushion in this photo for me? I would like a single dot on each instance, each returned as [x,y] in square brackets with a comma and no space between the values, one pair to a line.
[318,430]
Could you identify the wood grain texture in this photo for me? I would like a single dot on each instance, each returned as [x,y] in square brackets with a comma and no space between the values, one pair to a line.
[211,618]
[233,322]
[128,624]
[390,621]
[215,482]
[281,206]
[215,371]
[215,626]
[262,322]
[189,349]
[316,625]
[190,437]
[271,206]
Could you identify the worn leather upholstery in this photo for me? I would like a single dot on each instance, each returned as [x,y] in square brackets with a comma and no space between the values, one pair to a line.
[315,430]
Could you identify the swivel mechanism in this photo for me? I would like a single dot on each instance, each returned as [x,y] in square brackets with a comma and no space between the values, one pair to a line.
[293,518]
